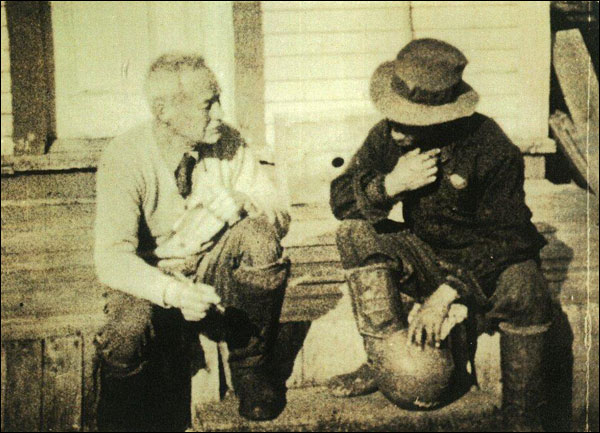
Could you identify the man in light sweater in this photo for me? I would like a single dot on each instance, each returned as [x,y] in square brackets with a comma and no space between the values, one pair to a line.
[230,288]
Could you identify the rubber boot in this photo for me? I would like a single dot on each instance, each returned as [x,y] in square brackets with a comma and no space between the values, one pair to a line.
[375,303]
[523,393]
[252,330]
[409,376]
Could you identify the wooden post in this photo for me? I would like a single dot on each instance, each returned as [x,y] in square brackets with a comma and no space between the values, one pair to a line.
[32,74]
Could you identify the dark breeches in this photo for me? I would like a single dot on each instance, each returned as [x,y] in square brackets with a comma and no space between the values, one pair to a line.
[151,352]
[521,296]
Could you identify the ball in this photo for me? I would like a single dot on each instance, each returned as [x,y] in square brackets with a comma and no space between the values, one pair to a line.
[409,376]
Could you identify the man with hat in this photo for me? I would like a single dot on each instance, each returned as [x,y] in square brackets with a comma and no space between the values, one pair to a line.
[467,235]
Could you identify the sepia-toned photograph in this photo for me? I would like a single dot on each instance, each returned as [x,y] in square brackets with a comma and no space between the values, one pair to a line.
[299,216]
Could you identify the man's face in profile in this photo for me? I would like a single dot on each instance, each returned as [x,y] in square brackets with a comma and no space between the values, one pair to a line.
[196,113]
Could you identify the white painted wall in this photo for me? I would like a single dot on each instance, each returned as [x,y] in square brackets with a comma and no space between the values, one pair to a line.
[319,56]
[103,49]
[508,46]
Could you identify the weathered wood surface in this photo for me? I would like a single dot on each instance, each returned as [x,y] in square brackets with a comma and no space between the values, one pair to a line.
[23,385]
[62,384]
[583,153]
[579,85]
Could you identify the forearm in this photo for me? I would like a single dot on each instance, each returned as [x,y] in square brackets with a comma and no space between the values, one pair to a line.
[123,270]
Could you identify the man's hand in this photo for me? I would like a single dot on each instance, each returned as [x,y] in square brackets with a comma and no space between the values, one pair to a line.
[225,206]
[192,299]
[426,326]
[413,171]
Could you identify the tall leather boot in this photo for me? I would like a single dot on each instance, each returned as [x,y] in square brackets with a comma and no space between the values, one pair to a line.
[252,324]
[409,376]
[377,311]
[523,391]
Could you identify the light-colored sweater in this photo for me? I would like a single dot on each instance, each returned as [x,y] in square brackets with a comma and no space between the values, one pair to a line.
[138,204]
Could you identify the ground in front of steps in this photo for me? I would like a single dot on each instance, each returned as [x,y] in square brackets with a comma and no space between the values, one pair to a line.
[314,409]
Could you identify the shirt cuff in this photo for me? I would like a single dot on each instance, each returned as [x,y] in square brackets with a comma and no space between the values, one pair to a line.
[375,191]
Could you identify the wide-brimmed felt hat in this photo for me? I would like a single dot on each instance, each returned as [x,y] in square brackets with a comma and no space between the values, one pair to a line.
[423,85]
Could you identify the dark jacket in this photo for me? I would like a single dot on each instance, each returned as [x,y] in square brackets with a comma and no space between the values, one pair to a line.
[478,221]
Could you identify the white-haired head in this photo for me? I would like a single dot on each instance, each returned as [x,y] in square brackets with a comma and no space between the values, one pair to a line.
[174,76]
[176,87]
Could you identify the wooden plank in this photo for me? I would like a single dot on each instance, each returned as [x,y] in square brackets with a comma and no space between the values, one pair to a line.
[47,186]
[32,218]
[329,21]
[575,145]
[90,383]
[62,389]
[342,66]
[40,327]
[316,5]
[326,253]
[483,16]
[3,387]
[346,66]
[326,270]
[44,242]
[482,38]
[39,302]
[579,85]
[333,43]
[23,385]
[49,279]
[577,78]
[46,261]
[307,309]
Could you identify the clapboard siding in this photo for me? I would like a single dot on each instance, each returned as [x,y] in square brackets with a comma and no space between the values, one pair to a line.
[450,15]
[7,146]
[334,20]
[513,48]
[319,57]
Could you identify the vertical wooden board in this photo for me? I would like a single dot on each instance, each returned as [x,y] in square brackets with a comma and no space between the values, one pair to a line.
[576,76]
[91,383]
[3,388]
[23,385]
[62,396]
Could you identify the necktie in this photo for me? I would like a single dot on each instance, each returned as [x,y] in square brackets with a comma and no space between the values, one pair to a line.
[183,174]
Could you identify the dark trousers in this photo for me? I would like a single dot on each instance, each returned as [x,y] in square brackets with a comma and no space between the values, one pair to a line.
[521,297]
[147,354]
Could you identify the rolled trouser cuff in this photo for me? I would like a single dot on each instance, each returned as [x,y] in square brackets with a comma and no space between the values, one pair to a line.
[508,328]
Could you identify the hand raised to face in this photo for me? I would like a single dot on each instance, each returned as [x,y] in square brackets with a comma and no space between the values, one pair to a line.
[413,170]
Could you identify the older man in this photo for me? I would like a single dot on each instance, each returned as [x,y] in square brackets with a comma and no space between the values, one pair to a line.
[467,235]
[158,304]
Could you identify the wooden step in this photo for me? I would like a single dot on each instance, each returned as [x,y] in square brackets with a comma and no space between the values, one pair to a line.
[314,409]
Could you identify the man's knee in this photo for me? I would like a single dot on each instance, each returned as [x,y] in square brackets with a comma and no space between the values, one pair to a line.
[350,232]
[522,297]
[261,267]
[259,241]
[122,343]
